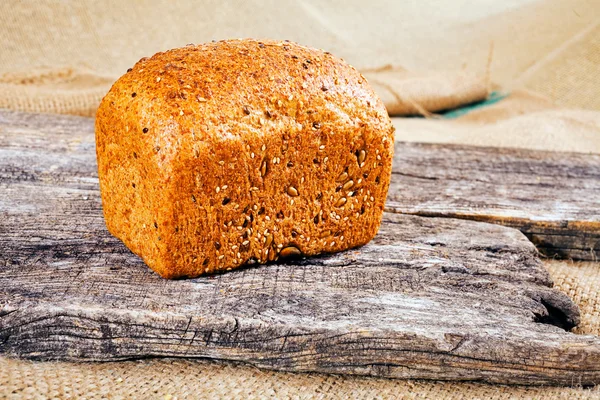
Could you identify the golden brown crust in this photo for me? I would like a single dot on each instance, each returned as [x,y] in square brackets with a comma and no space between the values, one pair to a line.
[216,155]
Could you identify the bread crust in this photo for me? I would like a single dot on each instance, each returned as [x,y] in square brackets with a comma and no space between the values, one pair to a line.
[238,152]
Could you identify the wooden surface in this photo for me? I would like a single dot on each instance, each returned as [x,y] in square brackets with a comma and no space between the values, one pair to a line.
[434,298]
[552,197]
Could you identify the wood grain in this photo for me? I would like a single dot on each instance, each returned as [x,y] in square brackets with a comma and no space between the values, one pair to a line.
[552,197]
[433,298]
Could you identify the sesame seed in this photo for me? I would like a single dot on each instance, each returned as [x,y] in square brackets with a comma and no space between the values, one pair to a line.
[267,218]
[246,110]
[291,97]
[158,79]
[378,157]
[223,187]
[252,155]
[221,256]
[304,85]
[321,147]
[254,189]
[359,180]
[326,159]
[218,189]
[133,94]
[279,246]
[145,130]
[263,148]
[332,244]
[292,191]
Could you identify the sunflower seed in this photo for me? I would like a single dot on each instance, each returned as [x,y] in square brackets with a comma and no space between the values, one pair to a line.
[348,185]
[341,201]
[290,251]
[263,168]
[343,176]
[269,240]
[362,155]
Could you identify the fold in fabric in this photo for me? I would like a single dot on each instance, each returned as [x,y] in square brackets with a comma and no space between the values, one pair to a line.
[79,91]
[522,119]
[409,93]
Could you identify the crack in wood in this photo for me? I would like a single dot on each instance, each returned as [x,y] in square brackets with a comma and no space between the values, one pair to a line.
[541,193]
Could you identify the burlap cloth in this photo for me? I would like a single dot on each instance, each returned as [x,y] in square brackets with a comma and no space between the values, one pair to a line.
[61,57]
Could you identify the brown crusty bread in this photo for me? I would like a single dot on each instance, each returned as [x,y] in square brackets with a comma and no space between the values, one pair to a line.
[241,151]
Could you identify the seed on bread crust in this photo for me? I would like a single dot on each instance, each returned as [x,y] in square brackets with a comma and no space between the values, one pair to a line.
[290,251]
[343,176]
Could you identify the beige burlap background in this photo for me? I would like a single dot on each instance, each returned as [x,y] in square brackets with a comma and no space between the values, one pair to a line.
[61,57]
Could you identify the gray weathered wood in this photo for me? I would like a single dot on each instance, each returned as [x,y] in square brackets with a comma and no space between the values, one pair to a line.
[428,298]
[552,197]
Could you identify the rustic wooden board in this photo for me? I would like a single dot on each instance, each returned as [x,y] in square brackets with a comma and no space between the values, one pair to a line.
[552,197]
[428,298]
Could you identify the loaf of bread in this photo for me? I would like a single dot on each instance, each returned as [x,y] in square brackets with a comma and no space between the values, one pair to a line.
[238,152]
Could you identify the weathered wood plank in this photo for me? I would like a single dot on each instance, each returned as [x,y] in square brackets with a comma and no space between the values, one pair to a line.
[428,298]
[552,197]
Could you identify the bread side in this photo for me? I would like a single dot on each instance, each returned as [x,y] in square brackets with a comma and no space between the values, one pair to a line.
[214,156]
